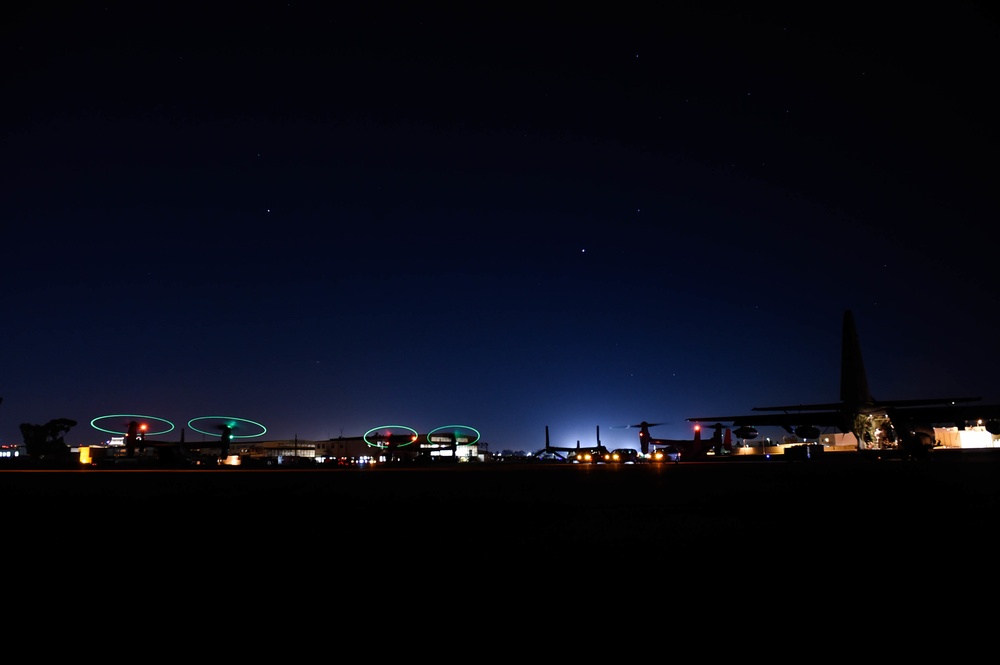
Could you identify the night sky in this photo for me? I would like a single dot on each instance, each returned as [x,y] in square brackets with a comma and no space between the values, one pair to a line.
[331,219]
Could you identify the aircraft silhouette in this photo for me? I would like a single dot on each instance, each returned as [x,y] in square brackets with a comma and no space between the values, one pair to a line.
[719,443]
[135,437]
[137,445]
[585,454]
[227,434]
[907,424]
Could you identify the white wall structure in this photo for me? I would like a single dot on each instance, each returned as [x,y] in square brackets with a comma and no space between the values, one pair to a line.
[973,437]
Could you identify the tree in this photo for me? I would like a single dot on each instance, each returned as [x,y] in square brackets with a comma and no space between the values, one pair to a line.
[46,441]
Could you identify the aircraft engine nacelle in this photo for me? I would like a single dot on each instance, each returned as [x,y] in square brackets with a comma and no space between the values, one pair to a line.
[993,426]
[807,432]
[746,432]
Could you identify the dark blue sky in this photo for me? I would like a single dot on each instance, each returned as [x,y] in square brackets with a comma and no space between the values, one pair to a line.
[327,220]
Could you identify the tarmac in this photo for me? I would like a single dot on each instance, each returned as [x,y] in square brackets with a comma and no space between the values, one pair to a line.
[843,508]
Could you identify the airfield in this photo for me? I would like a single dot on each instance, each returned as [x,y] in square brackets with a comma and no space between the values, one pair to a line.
[840,508]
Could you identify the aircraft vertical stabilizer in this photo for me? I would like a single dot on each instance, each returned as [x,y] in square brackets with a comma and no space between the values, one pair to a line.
[853,378]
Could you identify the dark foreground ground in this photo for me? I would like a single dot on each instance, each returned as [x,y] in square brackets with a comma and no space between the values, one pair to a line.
[846,510]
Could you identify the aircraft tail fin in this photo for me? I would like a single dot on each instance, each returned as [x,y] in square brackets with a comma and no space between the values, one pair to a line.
[853,378]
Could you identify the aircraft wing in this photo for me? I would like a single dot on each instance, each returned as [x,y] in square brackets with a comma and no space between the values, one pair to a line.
[936,403]
[801,407]
[956,415]
[940,401]
[806,424]
[786,420]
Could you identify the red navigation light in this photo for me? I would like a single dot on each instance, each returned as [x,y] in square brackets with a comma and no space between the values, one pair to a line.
[697,428]
[143,427]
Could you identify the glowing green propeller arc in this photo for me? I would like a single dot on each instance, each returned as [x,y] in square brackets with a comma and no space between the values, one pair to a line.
[131,416]
[377,444]
[454,430]
[227,421]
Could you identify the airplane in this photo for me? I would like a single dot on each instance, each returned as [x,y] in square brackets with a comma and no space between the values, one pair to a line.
[139,447]
[905,424]
[578,454]
[394,445]
[720,443]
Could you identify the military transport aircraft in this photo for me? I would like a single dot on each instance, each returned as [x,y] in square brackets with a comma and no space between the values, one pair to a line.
[694,448]
[907,424]
[588,454]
